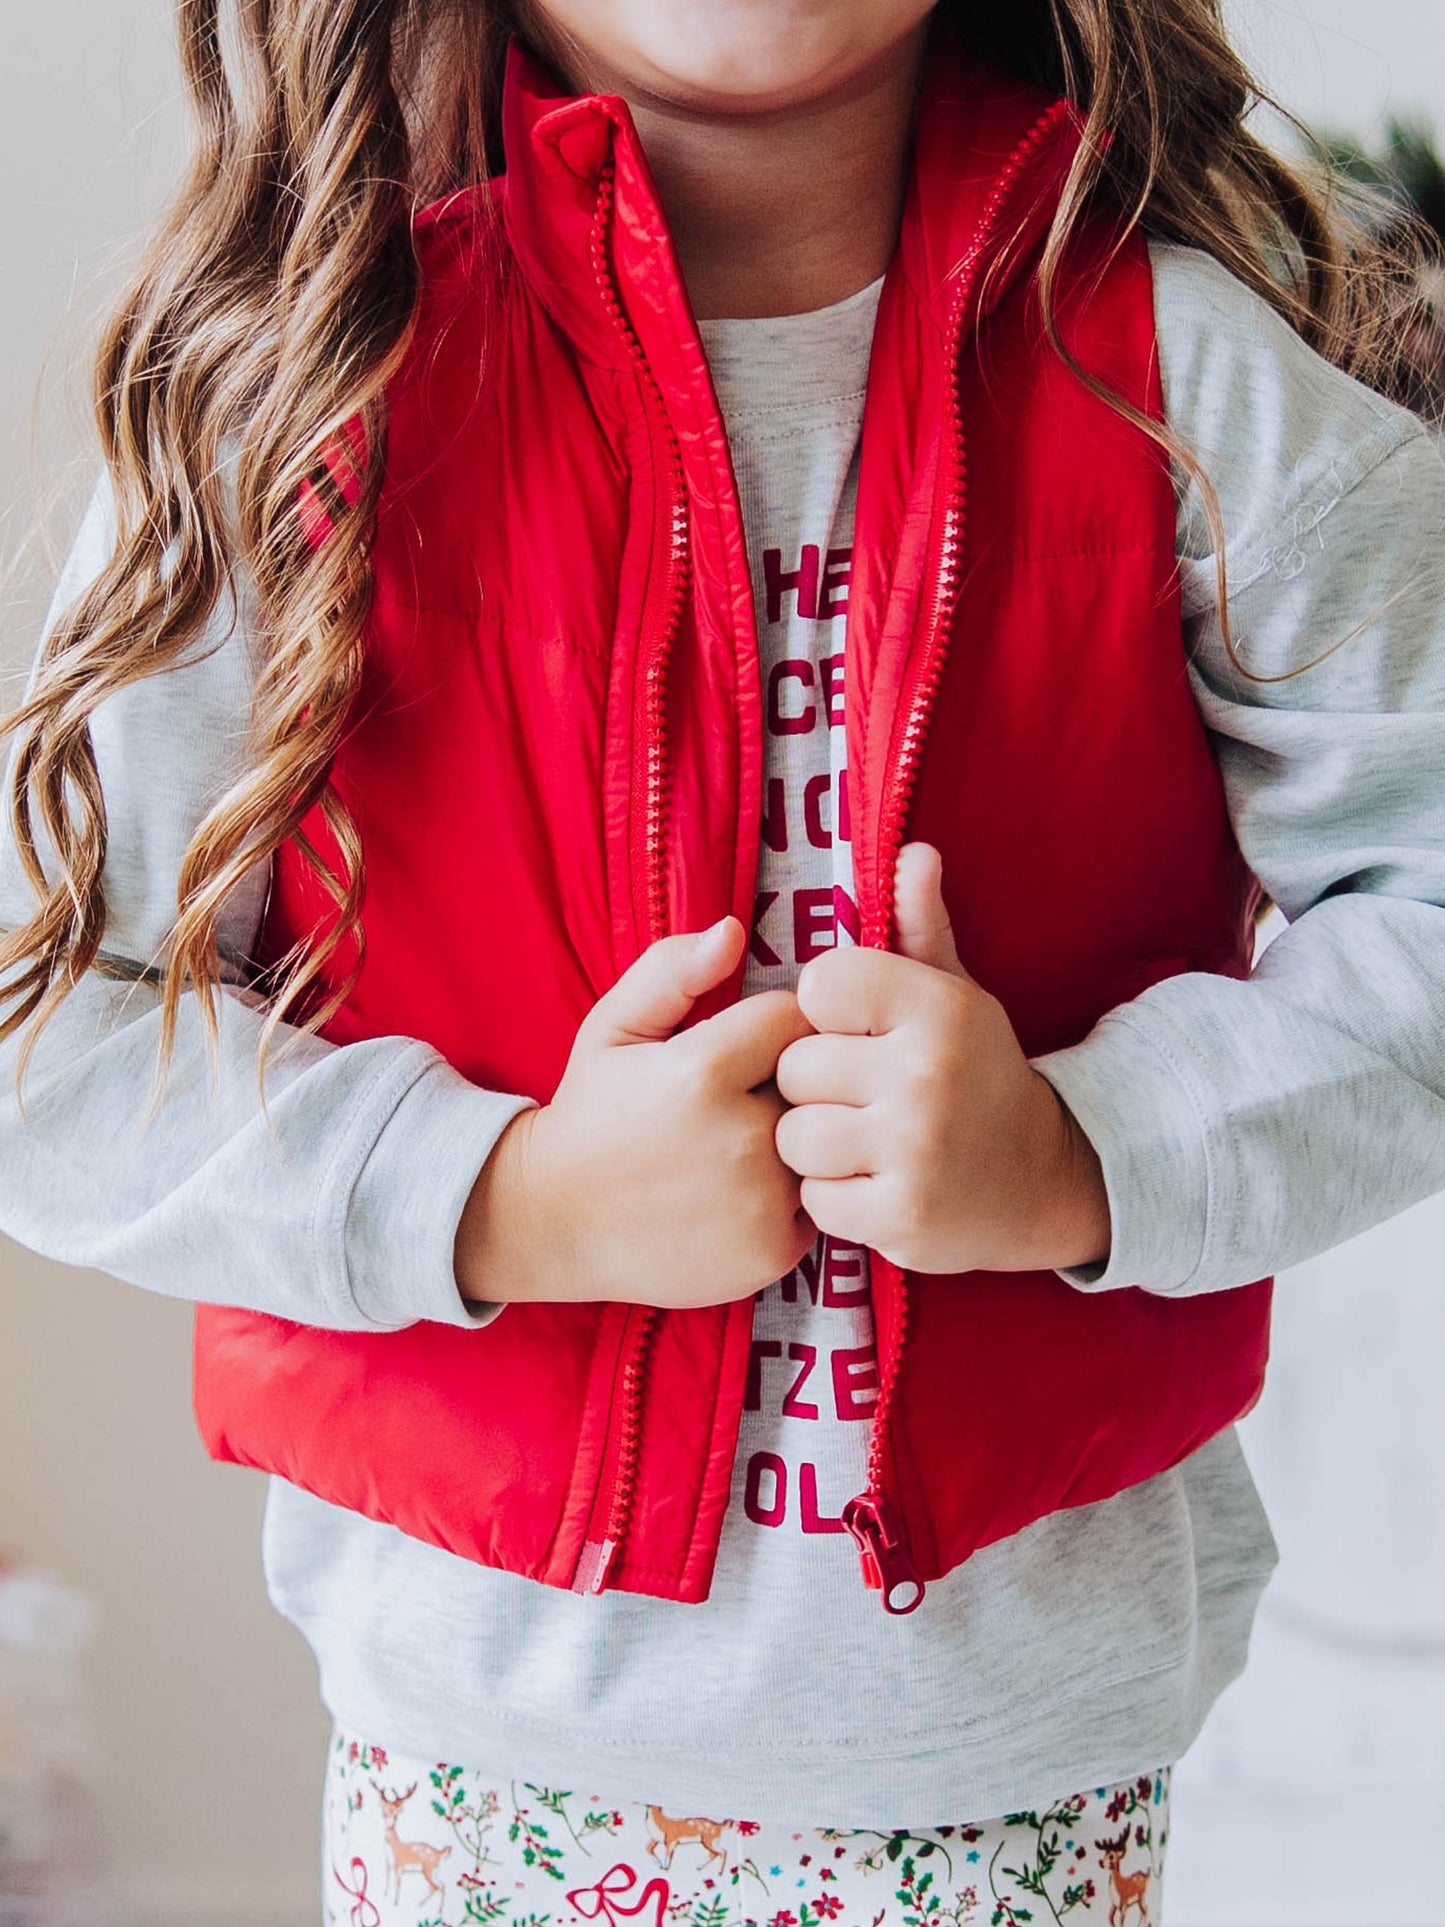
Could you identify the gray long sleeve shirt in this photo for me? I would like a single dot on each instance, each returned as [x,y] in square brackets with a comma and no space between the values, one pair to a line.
[1242,1127]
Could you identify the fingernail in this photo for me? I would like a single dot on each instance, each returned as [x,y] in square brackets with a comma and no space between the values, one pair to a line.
[714,930]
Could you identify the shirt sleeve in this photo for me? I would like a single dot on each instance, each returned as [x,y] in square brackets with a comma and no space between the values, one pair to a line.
[340,1212]
[1244,1126]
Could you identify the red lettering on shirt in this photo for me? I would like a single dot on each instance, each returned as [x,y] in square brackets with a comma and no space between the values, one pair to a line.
[804,579]
[845,1281]
[855,1382]
[815,792]
[805,812]
[815,923]
[813,1519]
[808,1269]
[775,815]
[845,912]
[753,1387]
[793,1406]
[762,951]
[797,722]
[766,1474]
[830,670]
[837,574]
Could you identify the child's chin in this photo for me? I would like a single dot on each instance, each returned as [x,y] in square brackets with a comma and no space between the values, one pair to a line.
[739,57]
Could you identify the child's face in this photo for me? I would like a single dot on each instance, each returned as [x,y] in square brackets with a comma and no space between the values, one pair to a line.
[724,56]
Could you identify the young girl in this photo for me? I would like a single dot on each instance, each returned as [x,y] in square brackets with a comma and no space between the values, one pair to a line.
[711,620]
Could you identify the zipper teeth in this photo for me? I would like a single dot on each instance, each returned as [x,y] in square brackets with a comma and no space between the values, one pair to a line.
[625,1478]
[905,768]
[679,556]
[654,833]
[925,685]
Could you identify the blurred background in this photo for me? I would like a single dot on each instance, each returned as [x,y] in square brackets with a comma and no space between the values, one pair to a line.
[1315,1796]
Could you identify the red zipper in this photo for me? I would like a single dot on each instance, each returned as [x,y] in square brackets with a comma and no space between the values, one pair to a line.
[667,591]
[872,1518]
[611,1516]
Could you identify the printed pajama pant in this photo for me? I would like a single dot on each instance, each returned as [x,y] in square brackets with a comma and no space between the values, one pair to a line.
[417,1843]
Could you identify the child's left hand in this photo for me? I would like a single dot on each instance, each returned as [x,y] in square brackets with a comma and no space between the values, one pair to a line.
[919,1127]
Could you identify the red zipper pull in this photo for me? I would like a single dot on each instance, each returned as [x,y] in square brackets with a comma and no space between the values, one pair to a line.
[887,1565]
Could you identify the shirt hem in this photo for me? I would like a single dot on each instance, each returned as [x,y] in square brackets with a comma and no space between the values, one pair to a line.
[1110,1732]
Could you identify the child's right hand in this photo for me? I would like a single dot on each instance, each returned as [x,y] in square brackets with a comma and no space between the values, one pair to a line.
[652,1176]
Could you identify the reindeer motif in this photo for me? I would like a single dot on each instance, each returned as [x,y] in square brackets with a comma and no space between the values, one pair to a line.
[409,1856]
[1129,1889]
[673,1832]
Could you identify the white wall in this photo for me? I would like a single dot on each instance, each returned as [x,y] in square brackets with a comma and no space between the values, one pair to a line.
[1347,62]
[205,1698]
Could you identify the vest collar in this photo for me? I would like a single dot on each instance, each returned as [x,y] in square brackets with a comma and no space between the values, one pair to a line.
[977,128]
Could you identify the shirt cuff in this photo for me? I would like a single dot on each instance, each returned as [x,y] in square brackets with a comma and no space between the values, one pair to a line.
[1135,1106]
[408,1199]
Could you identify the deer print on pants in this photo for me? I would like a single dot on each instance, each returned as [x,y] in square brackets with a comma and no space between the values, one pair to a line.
[672,1833]
[409,1856]
[493,1851]
[1129,1889]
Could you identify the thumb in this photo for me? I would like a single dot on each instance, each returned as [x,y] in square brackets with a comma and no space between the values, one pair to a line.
[651,998]
[924,931]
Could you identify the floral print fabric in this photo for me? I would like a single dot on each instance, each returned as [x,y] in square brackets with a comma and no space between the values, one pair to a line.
[410,1843]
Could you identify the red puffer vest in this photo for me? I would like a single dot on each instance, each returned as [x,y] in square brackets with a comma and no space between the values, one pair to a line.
[558,757]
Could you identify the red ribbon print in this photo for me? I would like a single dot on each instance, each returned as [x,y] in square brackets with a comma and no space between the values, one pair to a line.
[364,1910]
[605,1900]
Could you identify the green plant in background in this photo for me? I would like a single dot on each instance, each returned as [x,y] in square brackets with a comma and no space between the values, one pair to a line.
[1400,189]
[1407,175]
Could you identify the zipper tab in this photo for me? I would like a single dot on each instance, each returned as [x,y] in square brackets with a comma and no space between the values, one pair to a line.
[888,1567]
[591,1575]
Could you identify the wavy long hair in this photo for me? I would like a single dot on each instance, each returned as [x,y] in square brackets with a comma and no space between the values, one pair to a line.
[276,300]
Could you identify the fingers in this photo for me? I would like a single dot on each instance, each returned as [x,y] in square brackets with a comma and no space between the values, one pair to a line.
[650,999]
[848,1209]
[829,1068]
[861,992]
[824,1141]
[924,930]
[744,1041]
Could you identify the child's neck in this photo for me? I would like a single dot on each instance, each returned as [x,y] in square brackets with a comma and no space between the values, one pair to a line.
[785,211]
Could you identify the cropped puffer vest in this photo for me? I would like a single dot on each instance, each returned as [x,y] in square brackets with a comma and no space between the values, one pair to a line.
[557,757]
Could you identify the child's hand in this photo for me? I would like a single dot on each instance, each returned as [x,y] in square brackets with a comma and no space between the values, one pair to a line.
[653,1175]
[920,1128]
